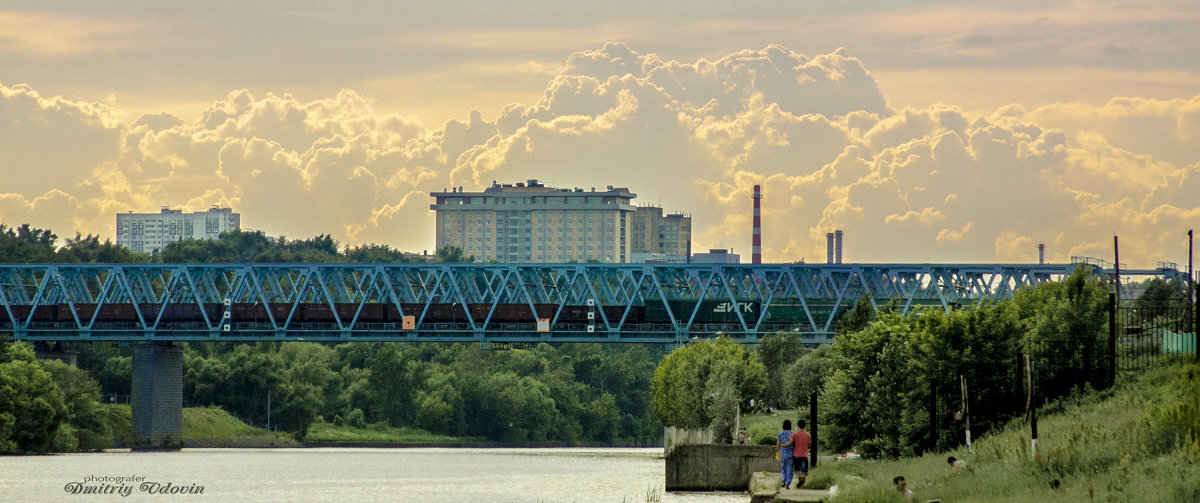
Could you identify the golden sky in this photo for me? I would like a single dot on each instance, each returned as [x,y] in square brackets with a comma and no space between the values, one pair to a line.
[928,131]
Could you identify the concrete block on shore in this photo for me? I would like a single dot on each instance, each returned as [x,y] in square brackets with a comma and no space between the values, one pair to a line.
[765,487]
[712,467]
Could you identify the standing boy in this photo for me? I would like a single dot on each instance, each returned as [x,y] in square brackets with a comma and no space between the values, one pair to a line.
[800,441]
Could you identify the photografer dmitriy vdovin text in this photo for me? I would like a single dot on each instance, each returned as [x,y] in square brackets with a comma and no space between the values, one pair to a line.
[125,485]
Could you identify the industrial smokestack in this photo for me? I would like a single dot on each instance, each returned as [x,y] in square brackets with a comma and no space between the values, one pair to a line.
[828,247]
[1041,253]
[837,238]
[756,237]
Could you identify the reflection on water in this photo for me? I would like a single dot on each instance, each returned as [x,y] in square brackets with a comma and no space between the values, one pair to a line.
[340,474]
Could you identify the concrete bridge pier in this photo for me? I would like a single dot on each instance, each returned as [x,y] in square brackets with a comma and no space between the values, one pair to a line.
[157,401]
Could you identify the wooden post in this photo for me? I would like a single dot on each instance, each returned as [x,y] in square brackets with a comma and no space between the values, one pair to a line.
[812,422]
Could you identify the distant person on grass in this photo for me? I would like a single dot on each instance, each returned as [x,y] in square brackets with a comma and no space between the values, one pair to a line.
[955,464]
[902,487]
[800,441]
[784,442]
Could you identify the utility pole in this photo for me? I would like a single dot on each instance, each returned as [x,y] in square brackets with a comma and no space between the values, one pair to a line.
[1117,268]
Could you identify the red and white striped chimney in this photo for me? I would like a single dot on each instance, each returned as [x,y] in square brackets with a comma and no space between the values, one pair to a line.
[756,237]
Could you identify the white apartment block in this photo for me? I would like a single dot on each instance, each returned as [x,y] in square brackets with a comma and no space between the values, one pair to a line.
[150,232]
[532,223]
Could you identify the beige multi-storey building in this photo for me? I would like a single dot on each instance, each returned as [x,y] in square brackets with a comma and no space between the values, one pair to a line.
[660,238]
[529,222]
[149,232]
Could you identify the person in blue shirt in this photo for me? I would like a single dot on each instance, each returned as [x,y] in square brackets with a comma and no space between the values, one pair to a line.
[784,442]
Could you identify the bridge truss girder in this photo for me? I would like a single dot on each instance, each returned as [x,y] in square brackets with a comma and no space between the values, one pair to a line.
[616,297]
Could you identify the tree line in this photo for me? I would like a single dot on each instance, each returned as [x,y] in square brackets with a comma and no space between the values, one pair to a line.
[27,244]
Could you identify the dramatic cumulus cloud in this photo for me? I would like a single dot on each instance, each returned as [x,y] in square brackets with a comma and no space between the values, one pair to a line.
[930,184]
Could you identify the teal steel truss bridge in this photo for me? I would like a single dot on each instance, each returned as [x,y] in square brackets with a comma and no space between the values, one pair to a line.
[486,303]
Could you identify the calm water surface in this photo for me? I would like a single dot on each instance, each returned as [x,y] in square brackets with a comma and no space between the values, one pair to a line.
[301,475]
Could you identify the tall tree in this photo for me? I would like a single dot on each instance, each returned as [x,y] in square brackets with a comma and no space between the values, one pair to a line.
[1065,325]
[394,380]
[682,387]
[778,351]
[32,410]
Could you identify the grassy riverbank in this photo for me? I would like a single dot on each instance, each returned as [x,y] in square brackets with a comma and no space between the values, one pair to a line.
[204,427]
[1135,442]
[377,434]
[214,427]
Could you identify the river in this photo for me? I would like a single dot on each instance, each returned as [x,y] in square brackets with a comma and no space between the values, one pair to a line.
[350,474]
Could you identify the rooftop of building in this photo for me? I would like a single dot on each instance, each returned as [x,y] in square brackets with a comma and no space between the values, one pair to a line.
[167,210]
[535,187]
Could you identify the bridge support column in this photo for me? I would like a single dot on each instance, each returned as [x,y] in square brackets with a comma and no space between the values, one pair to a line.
[157,401]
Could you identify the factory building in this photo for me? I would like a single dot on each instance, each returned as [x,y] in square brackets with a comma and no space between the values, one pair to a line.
[660,238]
[532,223]
[717,256]
[150,232]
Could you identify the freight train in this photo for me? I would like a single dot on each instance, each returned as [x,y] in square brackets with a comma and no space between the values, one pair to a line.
[782,311]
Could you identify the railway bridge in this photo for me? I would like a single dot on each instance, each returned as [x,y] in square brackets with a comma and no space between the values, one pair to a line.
[155,306]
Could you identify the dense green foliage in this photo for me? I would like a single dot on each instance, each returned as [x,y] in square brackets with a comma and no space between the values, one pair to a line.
[578,393]
[28,245]
[1160,294]
[31,406]
[705,383]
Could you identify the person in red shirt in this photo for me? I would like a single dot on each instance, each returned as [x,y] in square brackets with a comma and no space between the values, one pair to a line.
[800,441]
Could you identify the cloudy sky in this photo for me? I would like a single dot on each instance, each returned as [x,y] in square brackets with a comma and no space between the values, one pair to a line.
[927,130]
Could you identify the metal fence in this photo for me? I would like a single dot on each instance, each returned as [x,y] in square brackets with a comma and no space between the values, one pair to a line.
[1145,333]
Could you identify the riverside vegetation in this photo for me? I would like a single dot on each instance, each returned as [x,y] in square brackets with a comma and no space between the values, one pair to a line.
[579,394]
[1136,441]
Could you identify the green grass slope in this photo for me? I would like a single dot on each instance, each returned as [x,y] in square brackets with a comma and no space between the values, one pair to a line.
[1134,442]
[202,427]
[378,433]
[214,427]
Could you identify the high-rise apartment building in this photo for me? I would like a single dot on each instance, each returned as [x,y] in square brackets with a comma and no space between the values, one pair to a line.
[149,232]
[660,238]
[529,222]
